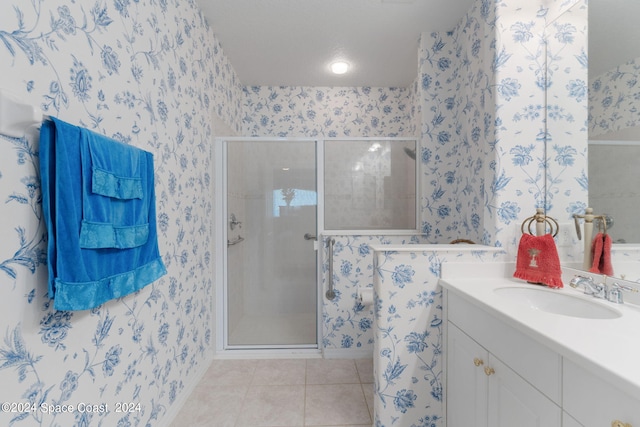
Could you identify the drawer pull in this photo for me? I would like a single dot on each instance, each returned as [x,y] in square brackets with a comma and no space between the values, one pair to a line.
[477,361]
[490,371]
[618,423]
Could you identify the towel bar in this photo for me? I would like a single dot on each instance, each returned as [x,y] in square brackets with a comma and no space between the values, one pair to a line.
[331,294]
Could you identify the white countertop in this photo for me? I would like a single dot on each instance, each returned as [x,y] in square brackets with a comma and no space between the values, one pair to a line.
[609,348]
[418,247]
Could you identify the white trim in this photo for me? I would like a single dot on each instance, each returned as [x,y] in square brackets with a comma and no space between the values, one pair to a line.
[319,240]
[269,354]
[371,232]
[444,247]
[346,353]
[318,139]
[220,241]
[612,142]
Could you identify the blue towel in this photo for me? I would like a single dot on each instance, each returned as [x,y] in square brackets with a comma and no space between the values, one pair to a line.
[99,207]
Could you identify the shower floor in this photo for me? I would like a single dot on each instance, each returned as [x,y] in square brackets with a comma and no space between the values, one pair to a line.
[286,330]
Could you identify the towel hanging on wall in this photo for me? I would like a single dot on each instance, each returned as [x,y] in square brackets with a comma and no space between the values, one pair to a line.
[537,261]
[601,255]
[99,207]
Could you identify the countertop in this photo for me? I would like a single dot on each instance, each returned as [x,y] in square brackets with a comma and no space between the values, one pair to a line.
[420,247]
[609,348]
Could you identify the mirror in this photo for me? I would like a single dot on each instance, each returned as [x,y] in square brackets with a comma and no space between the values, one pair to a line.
[614,115]
[613,131]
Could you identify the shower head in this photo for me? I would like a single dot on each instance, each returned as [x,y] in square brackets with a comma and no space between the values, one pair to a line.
[409,152]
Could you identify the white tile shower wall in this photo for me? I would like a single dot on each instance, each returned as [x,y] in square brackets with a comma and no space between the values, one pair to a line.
[613,187]
[237,205]
[151,74]
[408,344]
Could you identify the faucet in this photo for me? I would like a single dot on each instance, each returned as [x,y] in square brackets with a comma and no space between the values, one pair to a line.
[612,293]
[597,290]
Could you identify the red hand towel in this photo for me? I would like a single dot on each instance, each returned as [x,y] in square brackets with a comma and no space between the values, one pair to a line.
[601,251]
[538,261]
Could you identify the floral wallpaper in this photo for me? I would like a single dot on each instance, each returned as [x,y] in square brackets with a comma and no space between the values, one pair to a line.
[408,334]
[613,99]
[150,74]
[328,112]
[567,113]
[347,325]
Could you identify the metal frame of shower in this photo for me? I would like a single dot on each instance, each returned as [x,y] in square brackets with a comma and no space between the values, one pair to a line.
[222,349]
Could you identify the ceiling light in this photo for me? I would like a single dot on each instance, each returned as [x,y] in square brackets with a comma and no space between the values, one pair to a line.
[339,67]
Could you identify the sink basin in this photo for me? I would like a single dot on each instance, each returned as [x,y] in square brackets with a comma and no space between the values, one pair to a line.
[556,302]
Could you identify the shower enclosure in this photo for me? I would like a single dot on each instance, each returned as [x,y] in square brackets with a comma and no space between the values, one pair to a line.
[275,197]
[271,292]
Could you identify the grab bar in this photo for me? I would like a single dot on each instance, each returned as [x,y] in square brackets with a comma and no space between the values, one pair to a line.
[331,294]
[235,241]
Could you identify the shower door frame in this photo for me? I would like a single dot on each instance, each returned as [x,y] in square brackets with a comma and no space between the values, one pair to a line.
[222,347]
[222,350]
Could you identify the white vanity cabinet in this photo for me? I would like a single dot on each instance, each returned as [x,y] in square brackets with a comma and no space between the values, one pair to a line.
[592,401]
[467,384]
[483,391]
[495,375]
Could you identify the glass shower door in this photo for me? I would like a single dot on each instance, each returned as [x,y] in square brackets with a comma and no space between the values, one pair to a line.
[271,274]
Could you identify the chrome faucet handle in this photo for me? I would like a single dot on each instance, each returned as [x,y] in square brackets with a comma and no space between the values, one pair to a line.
[597,290]
[586,282]
[614,293]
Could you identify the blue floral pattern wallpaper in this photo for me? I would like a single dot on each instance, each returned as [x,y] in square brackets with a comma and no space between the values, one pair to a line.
[150,74]
[328,112]
[347,325]
[613,99]
[408,330]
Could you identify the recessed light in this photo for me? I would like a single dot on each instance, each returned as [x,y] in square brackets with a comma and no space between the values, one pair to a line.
[339,67]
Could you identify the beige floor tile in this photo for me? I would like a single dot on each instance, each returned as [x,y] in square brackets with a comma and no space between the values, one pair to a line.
[365,370]
[230,372]
[280,372]
[332,371]
[208,406]
[368,390]
[274,406]
[335,404]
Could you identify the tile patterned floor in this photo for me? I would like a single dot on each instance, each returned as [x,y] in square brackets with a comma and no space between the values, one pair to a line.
[282,393]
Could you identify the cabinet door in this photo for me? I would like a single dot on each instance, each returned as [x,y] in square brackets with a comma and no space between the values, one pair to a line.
[514,402]
[466,380]
[595,402]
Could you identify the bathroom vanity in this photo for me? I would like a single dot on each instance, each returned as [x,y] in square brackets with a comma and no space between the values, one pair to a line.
[526,355]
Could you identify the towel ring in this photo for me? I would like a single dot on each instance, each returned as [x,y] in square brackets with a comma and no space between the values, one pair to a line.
[602,222]
[453,242]
[540,217]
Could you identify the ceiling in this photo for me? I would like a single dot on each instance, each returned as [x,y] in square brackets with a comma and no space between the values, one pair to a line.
[293,42]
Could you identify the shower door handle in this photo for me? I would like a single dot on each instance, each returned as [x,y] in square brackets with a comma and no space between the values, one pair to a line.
[309,236]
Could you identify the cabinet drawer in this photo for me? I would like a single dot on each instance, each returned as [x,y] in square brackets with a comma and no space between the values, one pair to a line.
[536,363]
[595,402]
